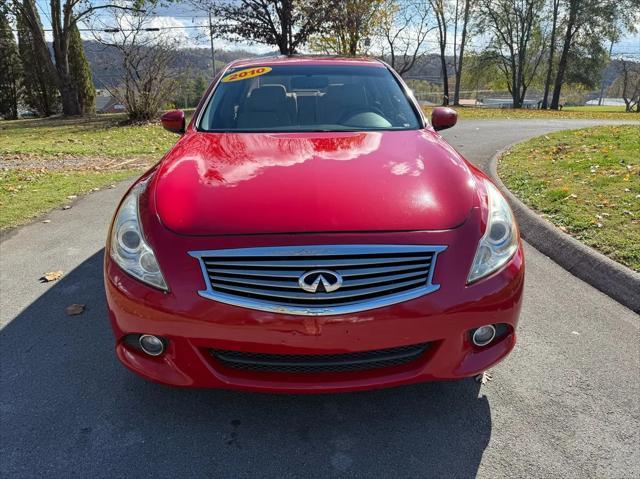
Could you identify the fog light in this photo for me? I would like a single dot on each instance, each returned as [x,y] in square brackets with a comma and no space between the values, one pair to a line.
[152,345]
[483,335]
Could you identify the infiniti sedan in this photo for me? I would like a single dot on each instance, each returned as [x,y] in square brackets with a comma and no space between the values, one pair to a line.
[311,231]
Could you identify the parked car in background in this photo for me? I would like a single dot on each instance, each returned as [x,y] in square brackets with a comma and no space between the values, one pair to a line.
[311,231]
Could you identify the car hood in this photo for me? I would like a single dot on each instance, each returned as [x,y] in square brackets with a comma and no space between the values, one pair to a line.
[253,183]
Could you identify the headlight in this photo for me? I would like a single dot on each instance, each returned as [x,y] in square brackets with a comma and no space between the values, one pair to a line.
[500,240]
[128,246]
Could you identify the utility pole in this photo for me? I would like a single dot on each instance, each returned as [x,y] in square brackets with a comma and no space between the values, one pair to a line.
[213,52]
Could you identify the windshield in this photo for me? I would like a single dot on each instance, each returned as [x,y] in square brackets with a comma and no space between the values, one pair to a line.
[308,98]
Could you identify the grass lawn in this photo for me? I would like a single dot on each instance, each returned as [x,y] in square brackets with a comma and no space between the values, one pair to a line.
[43,161]
[576,113]
[100,136]
[26,194]
[586,182]
[601,108]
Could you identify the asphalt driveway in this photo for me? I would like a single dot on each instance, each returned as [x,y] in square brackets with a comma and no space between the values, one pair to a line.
[564,404]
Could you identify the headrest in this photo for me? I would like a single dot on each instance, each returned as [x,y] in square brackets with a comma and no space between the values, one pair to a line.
[267,98]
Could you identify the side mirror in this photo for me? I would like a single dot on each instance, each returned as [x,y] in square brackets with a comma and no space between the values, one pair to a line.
[443,117]
[173,121]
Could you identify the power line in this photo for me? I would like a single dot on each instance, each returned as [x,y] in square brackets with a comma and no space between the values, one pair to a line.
[117,30]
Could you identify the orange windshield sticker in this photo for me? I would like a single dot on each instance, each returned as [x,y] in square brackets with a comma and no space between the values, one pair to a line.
[246,74]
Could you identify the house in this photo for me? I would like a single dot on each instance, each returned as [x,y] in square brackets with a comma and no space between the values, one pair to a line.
[107,103]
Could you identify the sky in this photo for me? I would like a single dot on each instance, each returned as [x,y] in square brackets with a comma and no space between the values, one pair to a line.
[190,28]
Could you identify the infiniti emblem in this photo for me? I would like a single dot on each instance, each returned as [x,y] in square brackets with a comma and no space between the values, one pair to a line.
[311,281]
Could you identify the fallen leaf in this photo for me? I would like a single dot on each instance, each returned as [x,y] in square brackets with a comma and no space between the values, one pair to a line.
[74,309]
[51,276]
[484,378]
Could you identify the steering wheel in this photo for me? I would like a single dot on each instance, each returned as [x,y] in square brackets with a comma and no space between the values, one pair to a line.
[351,113]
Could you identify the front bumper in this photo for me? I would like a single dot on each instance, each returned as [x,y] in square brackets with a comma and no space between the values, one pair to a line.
[194,325]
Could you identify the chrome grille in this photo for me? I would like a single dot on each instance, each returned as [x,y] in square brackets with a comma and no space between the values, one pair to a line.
[270,279]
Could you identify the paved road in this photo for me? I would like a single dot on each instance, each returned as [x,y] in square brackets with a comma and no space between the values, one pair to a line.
[564,404]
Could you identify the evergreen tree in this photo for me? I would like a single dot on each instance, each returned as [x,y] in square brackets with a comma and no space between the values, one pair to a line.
[199,87]
[81,73]
[39,82]
[9,70]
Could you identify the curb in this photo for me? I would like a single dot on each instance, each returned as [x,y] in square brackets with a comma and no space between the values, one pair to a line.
[601,272]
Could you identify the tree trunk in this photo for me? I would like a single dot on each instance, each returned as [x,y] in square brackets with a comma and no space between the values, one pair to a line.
[463,39]
[515,96]
[353,44]
[552,51]
[562,66]
[69,98]
[445,77]
[515,84]
[68,90]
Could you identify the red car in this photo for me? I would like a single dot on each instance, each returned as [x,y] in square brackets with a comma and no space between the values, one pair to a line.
[311,231]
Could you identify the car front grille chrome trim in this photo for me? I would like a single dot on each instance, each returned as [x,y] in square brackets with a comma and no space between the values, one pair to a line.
[269,278]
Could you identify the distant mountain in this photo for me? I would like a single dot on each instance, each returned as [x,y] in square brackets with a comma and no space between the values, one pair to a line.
[105,63]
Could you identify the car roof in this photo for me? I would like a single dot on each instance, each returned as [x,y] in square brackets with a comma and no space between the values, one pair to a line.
[306,60]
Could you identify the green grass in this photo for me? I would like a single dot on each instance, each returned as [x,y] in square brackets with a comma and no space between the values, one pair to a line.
[33,185]
[586,182]
[575,113]
[99,136]
[596,108]
[25,195]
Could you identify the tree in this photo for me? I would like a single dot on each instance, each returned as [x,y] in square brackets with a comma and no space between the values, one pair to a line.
[627,85]
[64,16]
[442,19]
[199,87]
[287,24]
[623,19]
[464,10]
[147,82]
[81,74]
[586,60]
[40,90]
[404,27]
[349,28]
[555,7]
[517,40]
[583,17]
[9,70]
[482,71]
